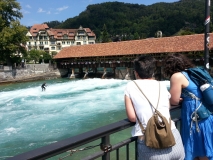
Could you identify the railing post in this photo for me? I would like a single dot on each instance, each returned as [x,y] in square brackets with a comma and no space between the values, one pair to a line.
[106,142]
[136,150]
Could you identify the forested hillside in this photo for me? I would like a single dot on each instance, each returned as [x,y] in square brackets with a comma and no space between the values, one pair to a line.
[133,21]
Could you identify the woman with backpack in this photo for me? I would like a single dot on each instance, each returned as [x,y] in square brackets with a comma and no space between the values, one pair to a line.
[197,134]
[139,109]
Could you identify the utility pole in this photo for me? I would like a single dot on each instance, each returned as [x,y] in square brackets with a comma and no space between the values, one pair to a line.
[207,38]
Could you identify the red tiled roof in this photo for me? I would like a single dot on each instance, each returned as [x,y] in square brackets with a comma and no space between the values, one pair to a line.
[89,32]
[37,27]
[57,32]
[151,45]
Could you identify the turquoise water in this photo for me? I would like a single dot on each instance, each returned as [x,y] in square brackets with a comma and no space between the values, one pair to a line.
[30,118]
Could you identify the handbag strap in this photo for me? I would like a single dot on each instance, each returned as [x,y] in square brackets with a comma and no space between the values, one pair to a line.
[141,126]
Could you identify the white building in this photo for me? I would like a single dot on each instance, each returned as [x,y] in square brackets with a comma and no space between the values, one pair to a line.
[41,37]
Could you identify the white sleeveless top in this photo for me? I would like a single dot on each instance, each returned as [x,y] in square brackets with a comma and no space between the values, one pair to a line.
[142,107]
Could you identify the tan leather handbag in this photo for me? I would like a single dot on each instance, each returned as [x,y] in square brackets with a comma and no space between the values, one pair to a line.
[158,133]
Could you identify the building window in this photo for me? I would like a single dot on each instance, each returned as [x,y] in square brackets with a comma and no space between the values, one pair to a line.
[29,43]
[41,42]
[79,37]
[46,42]
[58,48]
[35,43]
[91,42]
[52,48]
[81,32]
[65,36]
[52,42]
[72,42]
[68,42]
[85,42]
[63,42]
[78,43]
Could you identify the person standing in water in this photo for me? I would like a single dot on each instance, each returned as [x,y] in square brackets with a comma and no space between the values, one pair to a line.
[43,86]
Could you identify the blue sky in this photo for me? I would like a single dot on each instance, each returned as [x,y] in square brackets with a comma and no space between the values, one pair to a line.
[39,11]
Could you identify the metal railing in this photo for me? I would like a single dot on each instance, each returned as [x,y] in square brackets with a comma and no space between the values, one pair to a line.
[103,133]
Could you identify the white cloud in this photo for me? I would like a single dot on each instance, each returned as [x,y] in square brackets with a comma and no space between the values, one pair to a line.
[62,8]
[56,13]
[28,6]
[40,10]
[48,12]
[25,11]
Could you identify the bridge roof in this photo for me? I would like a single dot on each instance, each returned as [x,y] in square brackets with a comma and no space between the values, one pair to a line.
[185,43]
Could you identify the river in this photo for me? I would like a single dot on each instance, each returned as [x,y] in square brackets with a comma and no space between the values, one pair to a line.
[30,118]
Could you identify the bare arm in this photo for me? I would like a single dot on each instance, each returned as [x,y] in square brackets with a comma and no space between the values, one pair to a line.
[177,82]
[129,109]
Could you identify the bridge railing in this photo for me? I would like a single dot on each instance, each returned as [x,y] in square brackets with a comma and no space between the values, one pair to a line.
[65,148]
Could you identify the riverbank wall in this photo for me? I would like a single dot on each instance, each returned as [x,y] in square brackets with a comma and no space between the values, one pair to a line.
[31,72]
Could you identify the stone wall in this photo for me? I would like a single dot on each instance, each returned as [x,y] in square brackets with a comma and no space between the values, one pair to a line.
[30,72]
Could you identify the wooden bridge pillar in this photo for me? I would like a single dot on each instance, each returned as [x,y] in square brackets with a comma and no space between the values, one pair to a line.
[73,73]
[86,73]
[127,76]
[104,73]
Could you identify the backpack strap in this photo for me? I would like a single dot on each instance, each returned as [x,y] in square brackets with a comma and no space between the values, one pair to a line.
[141,126]
[146,96]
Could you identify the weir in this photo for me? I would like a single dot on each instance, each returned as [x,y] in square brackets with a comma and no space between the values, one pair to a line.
[104,148]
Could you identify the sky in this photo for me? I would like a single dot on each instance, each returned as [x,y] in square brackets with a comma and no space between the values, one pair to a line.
[40,11]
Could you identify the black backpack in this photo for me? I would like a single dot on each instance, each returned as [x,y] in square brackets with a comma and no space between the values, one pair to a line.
[204,81]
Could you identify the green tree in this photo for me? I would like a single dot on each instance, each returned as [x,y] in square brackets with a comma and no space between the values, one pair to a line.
[125,18]
[53,53]
[34,55]
[136,35]
[105,35]
[12,33]
[44,56]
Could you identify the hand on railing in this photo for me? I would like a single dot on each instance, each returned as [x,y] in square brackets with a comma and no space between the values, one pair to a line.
[173,107]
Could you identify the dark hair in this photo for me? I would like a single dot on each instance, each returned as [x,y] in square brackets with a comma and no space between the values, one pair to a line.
[145,66]
[174,63]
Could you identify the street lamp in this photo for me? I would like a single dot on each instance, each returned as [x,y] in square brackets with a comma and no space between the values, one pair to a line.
[207,38]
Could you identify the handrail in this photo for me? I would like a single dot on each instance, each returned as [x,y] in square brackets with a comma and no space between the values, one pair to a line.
[79,140]
[73,142]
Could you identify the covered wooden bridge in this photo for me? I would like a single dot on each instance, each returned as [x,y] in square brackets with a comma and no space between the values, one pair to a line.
[114,59]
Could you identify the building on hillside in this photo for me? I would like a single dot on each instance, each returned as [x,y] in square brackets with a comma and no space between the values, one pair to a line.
[41,37]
